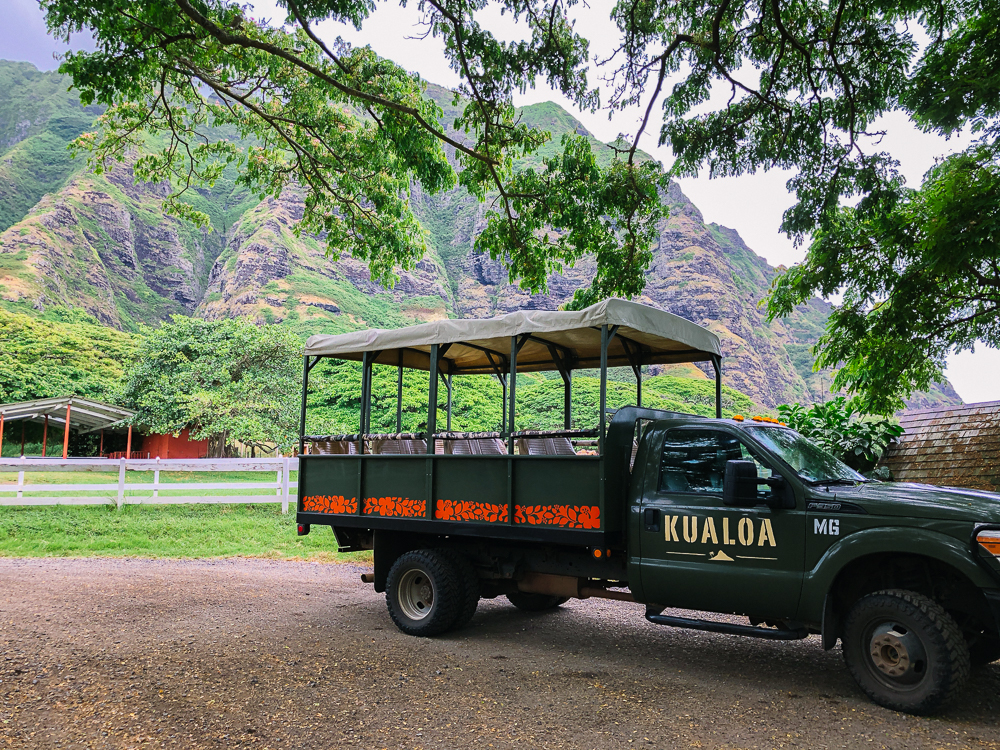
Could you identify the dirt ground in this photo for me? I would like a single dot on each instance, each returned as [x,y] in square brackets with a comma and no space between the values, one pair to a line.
[259,654]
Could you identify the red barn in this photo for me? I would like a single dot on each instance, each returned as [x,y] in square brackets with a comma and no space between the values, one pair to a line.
[170,446]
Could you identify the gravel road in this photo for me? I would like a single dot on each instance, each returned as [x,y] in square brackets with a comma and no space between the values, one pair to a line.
[260,654]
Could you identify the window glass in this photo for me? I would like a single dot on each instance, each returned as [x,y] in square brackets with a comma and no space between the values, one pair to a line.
[811,462]
[695,461]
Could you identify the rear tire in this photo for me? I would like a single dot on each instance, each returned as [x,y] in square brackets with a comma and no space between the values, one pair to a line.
[905,652]
[424,592]
[535,602]
[471,591]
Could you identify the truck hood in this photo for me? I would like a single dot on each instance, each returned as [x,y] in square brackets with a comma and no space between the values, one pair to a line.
[921,500]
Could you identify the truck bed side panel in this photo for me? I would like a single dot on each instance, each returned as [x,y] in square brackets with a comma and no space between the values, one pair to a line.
[542,492]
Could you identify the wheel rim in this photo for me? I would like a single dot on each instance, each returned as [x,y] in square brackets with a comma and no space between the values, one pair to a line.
[416,594]
[896,655]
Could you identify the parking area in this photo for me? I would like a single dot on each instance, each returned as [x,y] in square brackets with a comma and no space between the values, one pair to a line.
[105,653]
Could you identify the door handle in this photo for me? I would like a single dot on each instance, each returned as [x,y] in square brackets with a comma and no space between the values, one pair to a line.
[651,519]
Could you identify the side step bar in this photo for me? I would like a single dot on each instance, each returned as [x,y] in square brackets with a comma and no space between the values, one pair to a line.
[727,628]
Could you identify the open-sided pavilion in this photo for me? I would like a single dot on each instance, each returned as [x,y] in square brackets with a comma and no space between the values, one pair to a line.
[82,415]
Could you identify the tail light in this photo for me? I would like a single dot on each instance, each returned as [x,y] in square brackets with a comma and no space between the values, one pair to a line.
[303,529]
[989,539]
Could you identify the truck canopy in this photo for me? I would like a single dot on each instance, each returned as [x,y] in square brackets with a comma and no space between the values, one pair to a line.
[553,340]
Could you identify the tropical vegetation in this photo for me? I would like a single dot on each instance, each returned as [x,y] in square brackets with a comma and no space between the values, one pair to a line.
[807,82]
[65,353]
[841,428]
[227,381]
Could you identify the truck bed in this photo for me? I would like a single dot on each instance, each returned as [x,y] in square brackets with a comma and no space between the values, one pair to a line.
[577,500]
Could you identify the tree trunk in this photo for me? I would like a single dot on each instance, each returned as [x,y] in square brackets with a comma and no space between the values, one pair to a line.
[217,445]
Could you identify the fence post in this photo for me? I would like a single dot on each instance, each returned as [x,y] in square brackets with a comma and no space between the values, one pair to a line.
[156,478]
[284,486]
[20,484]
[277,490]
[121,483]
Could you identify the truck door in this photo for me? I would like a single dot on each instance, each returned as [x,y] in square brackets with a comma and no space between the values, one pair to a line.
[697,553]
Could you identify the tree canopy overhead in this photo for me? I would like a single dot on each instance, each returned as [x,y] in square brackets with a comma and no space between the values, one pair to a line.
[806,83]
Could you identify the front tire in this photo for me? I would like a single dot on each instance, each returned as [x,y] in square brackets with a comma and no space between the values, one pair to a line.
[905,652]
[424,593]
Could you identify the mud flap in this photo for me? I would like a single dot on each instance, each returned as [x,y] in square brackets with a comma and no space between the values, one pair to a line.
[831,624]
[387,547]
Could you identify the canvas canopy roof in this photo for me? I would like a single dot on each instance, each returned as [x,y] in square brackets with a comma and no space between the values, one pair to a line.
[645,335]
[86,415]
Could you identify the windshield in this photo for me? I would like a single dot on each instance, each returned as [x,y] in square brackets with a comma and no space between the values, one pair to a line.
[811,462]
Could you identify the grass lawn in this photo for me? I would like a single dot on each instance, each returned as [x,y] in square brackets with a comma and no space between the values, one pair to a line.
[190,531]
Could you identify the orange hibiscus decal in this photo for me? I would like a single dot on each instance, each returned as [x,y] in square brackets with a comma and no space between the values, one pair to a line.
[399,507]
[566,516]
[329,504]
[454,510]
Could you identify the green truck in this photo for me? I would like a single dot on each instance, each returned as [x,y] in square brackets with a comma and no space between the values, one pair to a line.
[736,516]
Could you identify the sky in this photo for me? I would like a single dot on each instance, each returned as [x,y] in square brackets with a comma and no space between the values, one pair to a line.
[752,204]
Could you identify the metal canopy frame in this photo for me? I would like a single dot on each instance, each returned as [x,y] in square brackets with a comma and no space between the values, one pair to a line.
[505,369]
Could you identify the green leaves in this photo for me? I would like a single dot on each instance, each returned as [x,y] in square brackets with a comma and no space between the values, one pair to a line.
[70,355]
[839,427]
[224,379]
[356,131]
[919,279]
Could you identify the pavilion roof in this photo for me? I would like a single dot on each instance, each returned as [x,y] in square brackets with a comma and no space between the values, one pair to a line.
[86,415]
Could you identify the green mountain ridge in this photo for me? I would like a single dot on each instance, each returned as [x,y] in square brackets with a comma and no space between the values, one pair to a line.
[101,244]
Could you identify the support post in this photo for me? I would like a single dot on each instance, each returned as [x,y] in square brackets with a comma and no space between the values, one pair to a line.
[717,364]
[100,449]
[447,385]
[604,385]
[513,394]
[22,437]
[284,485]
[121,483]
[66,432]
[302,410]
[128,443]
[1,433]
[432,404]
[399,395]
[568,402]
[366,398]
[45,435]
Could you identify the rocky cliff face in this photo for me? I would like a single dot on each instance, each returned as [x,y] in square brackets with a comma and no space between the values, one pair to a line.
[101,243]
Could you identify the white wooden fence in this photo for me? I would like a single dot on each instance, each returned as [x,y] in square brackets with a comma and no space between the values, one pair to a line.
[284,489]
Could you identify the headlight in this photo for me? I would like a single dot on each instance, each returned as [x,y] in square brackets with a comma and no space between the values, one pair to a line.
[989,539]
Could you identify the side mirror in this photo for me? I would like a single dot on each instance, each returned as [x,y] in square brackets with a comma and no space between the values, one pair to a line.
[739,485]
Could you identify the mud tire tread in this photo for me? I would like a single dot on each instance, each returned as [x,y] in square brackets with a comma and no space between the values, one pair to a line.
[448,591]
[471,591]
[939,628]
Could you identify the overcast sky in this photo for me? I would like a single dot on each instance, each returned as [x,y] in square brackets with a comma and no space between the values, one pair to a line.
[753,204]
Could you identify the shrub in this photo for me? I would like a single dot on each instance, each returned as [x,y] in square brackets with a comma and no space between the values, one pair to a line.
[839,427]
